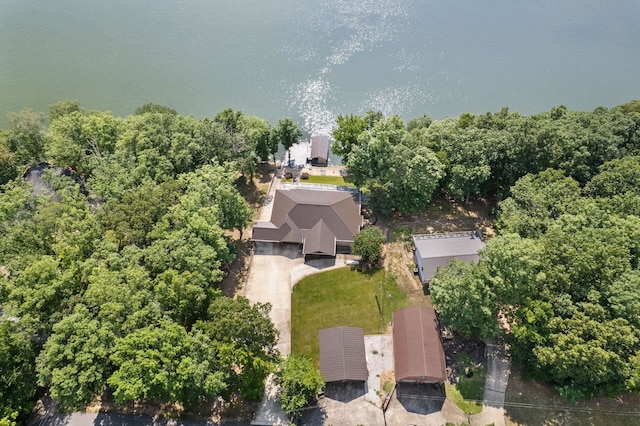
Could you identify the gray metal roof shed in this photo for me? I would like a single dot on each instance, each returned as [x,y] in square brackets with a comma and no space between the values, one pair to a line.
[435,250]
[320,149]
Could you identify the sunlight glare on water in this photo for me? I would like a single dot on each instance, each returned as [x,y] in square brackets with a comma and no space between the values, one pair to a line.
[350,28]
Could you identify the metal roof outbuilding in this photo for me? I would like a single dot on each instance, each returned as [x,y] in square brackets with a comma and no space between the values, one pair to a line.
[417,349]
[342,354]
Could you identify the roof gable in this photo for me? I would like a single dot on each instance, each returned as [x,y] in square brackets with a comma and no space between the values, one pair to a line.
[319,240]
[320,147]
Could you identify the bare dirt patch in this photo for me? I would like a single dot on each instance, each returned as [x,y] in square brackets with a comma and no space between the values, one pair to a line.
[442,215]
[398,261]
[254,192]
[237,273]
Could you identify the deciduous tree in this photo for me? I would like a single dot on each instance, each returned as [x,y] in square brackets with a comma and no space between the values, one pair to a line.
[245,338]
[300,382]
[74,362]
[288,133]
[345,134]
[368,244]
[17,372]
[27,136]
[166,364]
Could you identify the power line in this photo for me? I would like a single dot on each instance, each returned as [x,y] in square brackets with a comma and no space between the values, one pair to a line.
[531,406]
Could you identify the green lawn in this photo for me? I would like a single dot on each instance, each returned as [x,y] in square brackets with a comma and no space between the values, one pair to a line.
[467,394]
[341,297]
[327,180]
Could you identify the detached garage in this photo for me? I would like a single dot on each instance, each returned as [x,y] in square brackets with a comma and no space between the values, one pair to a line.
[342,354]
[343,362]
[417,349]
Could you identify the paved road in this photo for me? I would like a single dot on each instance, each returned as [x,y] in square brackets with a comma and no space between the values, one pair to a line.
[106,419]
[495,386]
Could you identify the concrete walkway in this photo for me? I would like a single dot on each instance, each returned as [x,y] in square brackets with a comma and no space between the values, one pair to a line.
[495,387]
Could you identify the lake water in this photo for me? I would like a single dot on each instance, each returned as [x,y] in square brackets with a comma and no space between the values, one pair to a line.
[311,59]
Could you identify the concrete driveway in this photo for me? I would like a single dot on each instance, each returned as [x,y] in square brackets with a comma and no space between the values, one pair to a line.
[269,281]
[274,271]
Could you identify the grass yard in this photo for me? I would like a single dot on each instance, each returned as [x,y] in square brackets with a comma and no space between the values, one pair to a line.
[329,180]
[325,180]
[341,297]
[467,394]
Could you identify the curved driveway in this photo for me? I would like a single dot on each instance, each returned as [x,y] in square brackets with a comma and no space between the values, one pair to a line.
[274,270]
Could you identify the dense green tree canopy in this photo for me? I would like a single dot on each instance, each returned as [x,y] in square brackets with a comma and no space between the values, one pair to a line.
[110,267]
[395,174]
[300,382]
[368,244]
[165,363]
[346,134]
[567,293]
[107,265]
[245,337]
[486,154]
[26,137]
[17,372]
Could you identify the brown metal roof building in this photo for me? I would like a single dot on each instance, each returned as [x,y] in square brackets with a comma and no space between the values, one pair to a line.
[319,219]
[342,354]
[435,250]
[417,349]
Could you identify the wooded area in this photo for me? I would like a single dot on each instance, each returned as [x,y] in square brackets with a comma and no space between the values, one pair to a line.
[111,265]
[561,281]
[109,271]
